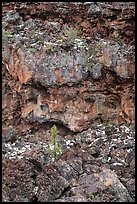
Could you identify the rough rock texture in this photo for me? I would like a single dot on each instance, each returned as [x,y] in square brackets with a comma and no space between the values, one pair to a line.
[95,165]
[87,72]
[18,184]
[73,65]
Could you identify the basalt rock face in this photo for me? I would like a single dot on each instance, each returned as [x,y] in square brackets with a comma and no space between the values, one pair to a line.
[72,65]
[96,165]
[81,77]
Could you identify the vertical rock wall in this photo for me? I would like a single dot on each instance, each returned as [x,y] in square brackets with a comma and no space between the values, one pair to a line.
[85,69]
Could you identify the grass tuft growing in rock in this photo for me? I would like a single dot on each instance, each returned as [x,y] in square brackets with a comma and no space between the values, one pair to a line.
[54,146]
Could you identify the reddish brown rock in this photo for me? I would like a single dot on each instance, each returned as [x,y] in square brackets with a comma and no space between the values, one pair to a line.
[18,185]
[95,165]
[71,64]
[77,80]
[50,184]
[106,179]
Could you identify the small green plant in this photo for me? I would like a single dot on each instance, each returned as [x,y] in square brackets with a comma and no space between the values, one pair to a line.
[4,186]
[32,49]
[70,34]
[54,147]
[7,33]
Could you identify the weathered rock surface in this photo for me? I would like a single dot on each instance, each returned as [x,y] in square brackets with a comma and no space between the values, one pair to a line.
[87,75]
[73,65]
[95,165]
[18,184]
